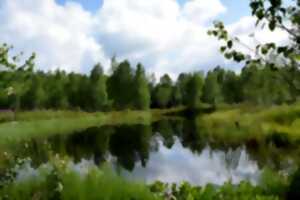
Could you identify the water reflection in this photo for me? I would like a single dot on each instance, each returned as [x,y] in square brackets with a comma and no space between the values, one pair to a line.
[168,150]
[180,164]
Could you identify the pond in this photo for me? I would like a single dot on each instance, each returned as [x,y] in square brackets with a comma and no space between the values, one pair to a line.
[168,150]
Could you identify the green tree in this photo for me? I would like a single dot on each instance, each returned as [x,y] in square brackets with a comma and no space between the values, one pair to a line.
[163,92]
[73,86]
[231,88]
[142,93]
[120,86]
[194,90]
[212,90]
[58,98]
[35,97]
[182,88]
[98,88]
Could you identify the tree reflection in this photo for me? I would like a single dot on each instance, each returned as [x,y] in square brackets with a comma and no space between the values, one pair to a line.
[130,144]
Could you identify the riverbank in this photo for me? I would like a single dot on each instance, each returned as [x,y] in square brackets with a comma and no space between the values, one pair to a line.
[246,123]
[45,123]
[233,123]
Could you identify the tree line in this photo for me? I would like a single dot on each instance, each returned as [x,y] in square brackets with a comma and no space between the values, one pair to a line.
[131,88]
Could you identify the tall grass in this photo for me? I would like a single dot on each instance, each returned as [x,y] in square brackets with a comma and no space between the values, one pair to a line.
[249,122]
[60,182]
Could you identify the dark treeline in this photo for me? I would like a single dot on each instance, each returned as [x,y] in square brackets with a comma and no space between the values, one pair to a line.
[131,88]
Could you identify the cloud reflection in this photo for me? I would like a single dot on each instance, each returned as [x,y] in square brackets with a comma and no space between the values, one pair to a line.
[179,164]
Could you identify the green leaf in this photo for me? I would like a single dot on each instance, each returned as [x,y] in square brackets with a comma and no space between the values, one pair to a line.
[260,14]
[264,50]
[272,25]
[228,55]
[229,44]
[223,48]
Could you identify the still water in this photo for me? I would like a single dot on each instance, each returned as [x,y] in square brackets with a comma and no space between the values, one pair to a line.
[180,164]
[168,151]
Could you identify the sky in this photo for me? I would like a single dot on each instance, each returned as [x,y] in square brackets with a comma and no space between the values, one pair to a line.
[166,36]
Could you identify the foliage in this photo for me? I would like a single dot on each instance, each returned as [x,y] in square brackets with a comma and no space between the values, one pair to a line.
[120,86]
[98,94]
[212,89]
[278,125]
[194,90]
[228,191]
[142,92]
[163,92]
[60,182]
[276,15]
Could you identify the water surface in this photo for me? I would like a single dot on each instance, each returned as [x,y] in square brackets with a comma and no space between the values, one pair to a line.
[168,150]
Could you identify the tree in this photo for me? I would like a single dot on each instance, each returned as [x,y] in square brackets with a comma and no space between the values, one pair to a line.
[25,70]
[58,98]
[73,87]
[98,99]
[231,88]
[194,90]
[35,97]
[182,87]
[141,89]
[120,86]
[212,90]
[163,92]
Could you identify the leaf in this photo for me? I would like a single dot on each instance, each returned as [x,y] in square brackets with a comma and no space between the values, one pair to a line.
[264,50]
[281,50]
[228,55]
[223,49]
[260,14]
[272,25]
[229,44]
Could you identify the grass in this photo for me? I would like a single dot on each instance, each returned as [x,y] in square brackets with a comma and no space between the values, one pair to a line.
[45,123]
[242,122]
[59,180]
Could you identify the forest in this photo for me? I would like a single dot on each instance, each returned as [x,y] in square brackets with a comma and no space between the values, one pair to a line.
[132,88]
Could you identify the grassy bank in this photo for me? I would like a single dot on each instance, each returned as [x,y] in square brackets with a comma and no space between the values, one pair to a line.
[45,123]
[62,180]
[249,122]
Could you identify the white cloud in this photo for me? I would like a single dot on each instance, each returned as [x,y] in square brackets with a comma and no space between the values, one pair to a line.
[202,11]
[61,35]
[164,35]
[161,34]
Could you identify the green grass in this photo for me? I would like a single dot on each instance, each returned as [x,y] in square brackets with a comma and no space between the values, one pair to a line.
[45,123]
[248,122]
[60,182]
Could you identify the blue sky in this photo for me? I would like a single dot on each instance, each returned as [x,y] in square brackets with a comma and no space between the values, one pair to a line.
[91,5]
